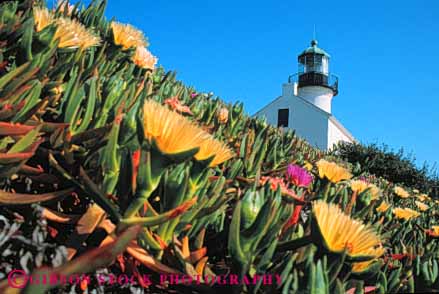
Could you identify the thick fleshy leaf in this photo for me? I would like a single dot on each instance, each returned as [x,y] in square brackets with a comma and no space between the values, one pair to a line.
[11,129]
[7,198]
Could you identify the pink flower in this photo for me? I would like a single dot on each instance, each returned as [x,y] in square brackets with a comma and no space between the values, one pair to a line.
[298,176]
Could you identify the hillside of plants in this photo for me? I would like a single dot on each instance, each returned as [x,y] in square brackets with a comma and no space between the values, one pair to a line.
[111,167]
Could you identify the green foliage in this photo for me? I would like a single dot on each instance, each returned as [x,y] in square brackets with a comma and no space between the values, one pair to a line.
[396,167]
[72,138]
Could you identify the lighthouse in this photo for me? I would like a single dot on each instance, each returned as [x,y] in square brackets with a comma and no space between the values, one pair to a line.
[313,81]
[305,105]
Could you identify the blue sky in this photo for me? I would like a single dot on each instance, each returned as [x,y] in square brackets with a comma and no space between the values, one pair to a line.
[385,53]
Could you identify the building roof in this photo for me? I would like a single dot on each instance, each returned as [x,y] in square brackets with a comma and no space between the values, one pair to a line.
[314,50]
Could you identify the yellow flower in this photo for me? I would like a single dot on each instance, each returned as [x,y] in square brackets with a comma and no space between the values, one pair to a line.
[359,186]
[42,18]
[423,197]
[435,229]
[421,206]
[374,191]
[143,58]
[173,133]
[361,267]
[212,147]
[401,192]
[63,5]
[340,232]
[405,213]
[332,171]
[308,166]
[127,36]
[72,34]
[383,207]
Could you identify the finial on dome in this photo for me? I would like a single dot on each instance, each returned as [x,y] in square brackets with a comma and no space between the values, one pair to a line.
[314,42]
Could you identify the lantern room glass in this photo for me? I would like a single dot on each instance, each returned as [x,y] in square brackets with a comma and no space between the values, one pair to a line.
[314,63]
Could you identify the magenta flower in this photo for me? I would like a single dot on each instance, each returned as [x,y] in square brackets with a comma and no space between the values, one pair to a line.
[298,176]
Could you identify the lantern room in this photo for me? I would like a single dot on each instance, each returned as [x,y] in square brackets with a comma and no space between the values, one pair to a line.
[314,69]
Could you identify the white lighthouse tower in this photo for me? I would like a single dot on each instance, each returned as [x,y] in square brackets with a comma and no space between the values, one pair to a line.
[306,102]
[314,82]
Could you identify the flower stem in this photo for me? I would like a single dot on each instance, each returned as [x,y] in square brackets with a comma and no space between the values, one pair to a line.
[295,244]
[327,190]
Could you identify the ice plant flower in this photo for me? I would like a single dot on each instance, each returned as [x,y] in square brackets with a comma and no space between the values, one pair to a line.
[176,105]
[65,7]
[223,115]
[332,171]
[358,186]
[298,175]
[339,233]
[374,191]
[72,34]
[384,206]
[308,166]
[42,18]
[366,266]
[423,197]
[405,213]
[212,147]
[144,59]
[400,192]
[127,36]
[435,230]
[172,132]
[422,206]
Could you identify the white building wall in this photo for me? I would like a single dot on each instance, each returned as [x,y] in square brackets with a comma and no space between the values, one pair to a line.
[336,134]
[308,121]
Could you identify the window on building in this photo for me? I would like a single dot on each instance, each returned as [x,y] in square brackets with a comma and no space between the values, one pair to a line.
[282,117]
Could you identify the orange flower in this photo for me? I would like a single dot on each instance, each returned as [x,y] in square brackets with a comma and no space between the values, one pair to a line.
[332,171]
